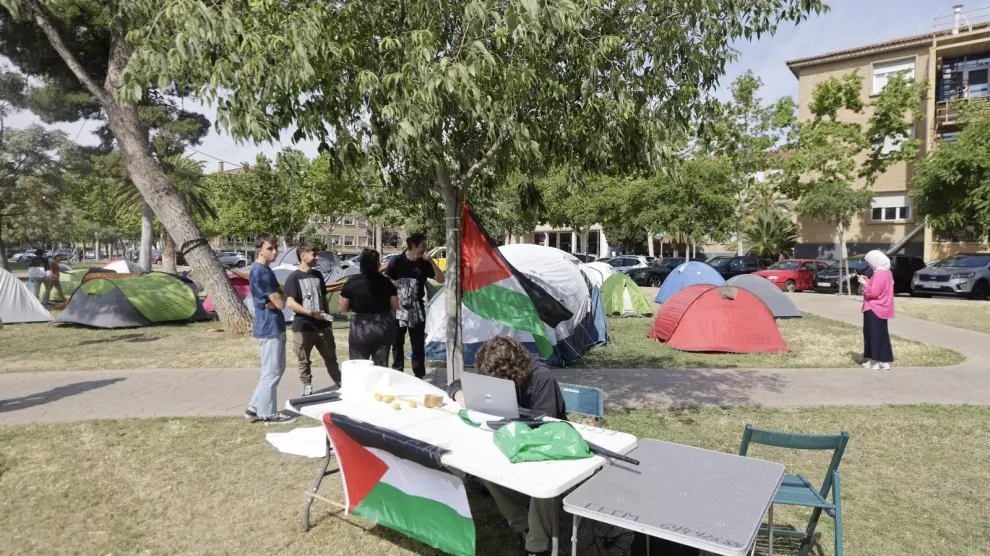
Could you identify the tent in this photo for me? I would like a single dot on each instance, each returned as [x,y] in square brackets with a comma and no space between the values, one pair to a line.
[104,301]
[121,266]
[597,273]
[688,274]
[727,319]
[769,294]
[291,257]
[623,298]
[556,272]
[17,304]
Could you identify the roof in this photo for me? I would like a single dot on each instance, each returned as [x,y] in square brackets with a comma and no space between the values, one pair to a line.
[895,44]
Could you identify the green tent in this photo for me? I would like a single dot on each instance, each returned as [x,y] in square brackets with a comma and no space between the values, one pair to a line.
[623,298]
[133,301]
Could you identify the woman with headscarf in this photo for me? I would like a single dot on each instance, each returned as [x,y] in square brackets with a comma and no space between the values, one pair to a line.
[878,308]
[373,299]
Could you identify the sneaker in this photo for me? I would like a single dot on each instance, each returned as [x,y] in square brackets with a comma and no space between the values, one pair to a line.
[307,389]
[872,365]
[250,414]
[277,419]
[884,366]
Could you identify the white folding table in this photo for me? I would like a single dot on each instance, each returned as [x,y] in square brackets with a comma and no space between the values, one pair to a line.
[471,450]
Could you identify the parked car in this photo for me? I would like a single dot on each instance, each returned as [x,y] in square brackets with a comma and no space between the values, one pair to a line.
[736,265]
[349,261]
[233,258]
[963,275]
[585,258]
[657,272]
[902,267]
[625,263]
[793,275]
[21,256]
[156,258]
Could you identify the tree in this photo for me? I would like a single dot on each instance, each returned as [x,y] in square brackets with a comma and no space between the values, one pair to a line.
[770,233]
[832,156]
[80,49]
[443,94]
[572,200]
[953,181]
[748,134]
[31,181]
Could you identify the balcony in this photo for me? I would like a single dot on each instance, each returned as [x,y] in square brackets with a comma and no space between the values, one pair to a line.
[947,111]
[961,32]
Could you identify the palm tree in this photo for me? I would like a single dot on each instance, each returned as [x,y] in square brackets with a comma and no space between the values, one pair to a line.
[187,175]
[770,233]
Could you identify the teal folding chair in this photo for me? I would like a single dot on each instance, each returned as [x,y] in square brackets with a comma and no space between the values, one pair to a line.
[796,490]
[584,400]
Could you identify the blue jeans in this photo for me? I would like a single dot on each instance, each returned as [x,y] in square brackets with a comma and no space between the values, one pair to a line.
[265,398]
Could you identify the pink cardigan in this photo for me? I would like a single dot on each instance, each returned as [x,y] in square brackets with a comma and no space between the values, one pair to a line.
[878,294]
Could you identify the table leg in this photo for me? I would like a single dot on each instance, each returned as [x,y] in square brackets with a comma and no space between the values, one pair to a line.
[555,528]
[770,536]
[316,486]
[574,535]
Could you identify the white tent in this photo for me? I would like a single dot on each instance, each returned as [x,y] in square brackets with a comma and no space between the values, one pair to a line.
[597,273]
[121,266]
[556,272]
[17,304]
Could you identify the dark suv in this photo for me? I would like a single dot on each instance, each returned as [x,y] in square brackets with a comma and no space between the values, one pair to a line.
[657,272]
[902,267]
[734,266]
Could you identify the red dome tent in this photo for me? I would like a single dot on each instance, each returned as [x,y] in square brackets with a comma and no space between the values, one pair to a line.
[717,318]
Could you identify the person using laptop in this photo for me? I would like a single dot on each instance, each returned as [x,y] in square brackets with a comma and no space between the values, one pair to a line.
[536,390]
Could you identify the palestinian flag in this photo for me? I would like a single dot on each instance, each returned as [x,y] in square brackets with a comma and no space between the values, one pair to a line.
[496,291]
[398,482]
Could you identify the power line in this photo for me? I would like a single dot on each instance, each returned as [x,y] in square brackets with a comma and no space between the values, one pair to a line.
[235,166]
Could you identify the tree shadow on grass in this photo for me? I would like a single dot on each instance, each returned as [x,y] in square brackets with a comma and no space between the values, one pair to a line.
[55,394]
[129,338]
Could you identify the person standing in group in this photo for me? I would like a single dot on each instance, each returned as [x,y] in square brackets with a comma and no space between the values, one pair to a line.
[38,271]
[409,272]
[54,277]
[269,327]
[372,298]
[878,308]
[306,295]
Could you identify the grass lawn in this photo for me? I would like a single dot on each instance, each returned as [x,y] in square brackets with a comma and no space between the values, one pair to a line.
[912,481]
[972,315]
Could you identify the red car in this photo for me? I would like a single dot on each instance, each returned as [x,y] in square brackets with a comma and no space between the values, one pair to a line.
[793,275]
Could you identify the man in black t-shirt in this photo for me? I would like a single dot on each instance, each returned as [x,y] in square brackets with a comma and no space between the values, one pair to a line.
[410,271]
[305,293]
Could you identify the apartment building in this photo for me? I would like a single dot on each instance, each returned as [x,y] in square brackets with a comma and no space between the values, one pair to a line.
[352,233]
[954,60]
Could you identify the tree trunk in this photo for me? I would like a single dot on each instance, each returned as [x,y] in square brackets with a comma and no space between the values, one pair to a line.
[166,201]
[649,243]
[661,248]
[4,263]
[842,251]
[168,256]
[378,238]
[584,238]
[452,196]
[739,243]
[147,235]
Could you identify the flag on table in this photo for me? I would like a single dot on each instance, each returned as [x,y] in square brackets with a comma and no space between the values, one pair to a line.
[495,290]
[404,487]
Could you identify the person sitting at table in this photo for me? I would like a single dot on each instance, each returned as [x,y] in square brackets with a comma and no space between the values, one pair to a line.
[536,390]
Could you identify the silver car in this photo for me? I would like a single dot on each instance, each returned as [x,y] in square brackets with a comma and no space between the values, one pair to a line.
[233,258]
[625,263]
[961,275]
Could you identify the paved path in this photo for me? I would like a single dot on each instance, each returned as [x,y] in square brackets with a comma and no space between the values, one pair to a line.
[80,395]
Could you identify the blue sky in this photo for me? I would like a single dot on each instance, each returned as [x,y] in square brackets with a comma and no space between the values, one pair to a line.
[850,23]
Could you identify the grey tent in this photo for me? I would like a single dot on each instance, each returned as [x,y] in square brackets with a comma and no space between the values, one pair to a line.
[769,294]
[17,304]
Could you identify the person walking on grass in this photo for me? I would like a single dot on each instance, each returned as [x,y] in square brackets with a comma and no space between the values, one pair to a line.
[878,308]
[409,272]
[269,328]
[372,298]
[38,271]
[54,277]
[306,295]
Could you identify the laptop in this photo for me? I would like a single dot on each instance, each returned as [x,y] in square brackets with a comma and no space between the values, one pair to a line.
[487,394]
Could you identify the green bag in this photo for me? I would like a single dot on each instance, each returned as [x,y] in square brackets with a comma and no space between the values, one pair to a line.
[552,441]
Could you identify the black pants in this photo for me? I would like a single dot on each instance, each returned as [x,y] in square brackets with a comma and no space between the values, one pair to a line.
[303,344]
[417,337]
[876,339]
[371,336]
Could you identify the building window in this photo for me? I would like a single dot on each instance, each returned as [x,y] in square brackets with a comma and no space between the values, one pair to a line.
[348,220]
[362,221]
[348,241]
[565,242]
[891,208]
[882,72]
[893,144]
[552,239]
[593,242]
[363,241]
[334,240]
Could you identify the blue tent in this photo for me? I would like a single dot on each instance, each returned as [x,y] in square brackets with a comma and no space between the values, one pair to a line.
[688,274]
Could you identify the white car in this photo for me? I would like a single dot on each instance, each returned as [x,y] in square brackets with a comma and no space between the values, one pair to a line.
[625,263]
